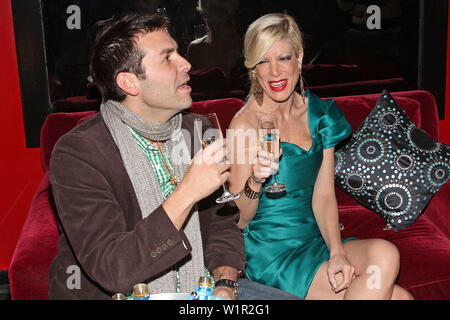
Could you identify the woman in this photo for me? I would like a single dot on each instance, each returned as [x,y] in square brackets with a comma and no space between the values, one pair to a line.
[293,241]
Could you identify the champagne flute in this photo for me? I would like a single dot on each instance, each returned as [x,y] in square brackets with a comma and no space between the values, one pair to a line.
[209,137]
[269,138]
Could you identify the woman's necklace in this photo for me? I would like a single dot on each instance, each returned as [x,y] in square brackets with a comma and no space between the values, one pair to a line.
[174,180]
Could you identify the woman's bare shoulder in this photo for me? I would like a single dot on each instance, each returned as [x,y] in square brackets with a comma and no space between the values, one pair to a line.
[245,118]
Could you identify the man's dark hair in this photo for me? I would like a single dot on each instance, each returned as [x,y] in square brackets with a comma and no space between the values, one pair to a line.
[115,50]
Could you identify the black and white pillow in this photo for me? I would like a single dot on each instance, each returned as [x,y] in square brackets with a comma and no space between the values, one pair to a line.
[391,166]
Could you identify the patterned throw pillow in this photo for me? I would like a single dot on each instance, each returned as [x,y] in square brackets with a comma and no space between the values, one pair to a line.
[391,166]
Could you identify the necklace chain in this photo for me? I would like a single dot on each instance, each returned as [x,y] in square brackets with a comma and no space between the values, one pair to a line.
[174,180]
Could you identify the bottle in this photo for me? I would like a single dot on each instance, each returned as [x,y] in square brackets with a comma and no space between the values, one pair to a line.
[119,296]
[141,292]
[204,288]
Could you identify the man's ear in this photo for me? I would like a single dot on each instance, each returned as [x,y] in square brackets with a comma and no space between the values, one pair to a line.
[128,82]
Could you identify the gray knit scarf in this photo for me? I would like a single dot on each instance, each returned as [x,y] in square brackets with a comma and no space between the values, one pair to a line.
[146,185]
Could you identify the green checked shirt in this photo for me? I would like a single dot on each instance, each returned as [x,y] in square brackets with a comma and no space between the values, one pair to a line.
[155,158]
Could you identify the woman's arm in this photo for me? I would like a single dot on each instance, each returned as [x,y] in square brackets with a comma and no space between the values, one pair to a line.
[325,210]
[324,204]
[243,147]
[247,207]
[248,166]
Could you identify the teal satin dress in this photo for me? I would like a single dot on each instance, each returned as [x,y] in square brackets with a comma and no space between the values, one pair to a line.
[283,244]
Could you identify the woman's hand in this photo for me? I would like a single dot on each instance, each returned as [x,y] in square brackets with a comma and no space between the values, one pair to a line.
[264,165]
[340,264]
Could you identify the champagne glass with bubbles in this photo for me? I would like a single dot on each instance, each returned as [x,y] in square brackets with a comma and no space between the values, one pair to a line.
[269,139]
[209,137]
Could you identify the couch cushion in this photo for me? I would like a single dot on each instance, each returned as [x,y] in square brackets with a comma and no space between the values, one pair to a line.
[437,210]
[359,87]
[56,125]
[36,248]
[428,110]
[424,250]
[356,109]
[224,108]
[427,113]
[391,166]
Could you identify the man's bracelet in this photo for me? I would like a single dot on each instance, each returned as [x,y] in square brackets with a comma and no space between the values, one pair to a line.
[227,283]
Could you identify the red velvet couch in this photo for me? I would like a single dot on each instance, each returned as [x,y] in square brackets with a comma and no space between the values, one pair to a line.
[424,246]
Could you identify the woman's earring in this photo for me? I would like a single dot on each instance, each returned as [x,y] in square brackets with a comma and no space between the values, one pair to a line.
[302,88]
[257,92]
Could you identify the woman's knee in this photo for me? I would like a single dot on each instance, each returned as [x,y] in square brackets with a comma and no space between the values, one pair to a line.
[401,294]
[384,255]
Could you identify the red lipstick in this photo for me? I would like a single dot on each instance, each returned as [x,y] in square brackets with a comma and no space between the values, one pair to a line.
[278,85]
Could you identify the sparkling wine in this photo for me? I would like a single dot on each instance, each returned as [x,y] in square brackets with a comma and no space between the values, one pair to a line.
[269,138]
[270,142]
[214,121]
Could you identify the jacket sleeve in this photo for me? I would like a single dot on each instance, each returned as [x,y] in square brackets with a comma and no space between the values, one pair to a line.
[113,254]
[223,242]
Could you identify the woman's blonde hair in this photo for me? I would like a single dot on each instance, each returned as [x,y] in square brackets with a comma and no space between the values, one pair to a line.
[261,35]
[265,31]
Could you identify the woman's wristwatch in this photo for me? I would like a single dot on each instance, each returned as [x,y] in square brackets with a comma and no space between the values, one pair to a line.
[227,283]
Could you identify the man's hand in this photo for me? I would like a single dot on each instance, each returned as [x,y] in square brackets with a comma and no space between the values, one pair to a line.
[224,292]
[204,175]
[225,272]
[206,172]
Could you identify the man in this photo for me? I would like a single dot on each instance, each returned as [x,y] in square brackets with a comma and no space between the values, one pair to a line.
[133,206]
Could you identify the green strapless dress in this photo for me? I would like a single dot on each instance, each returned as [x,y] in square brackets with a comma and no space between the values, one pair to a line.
[283,244]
